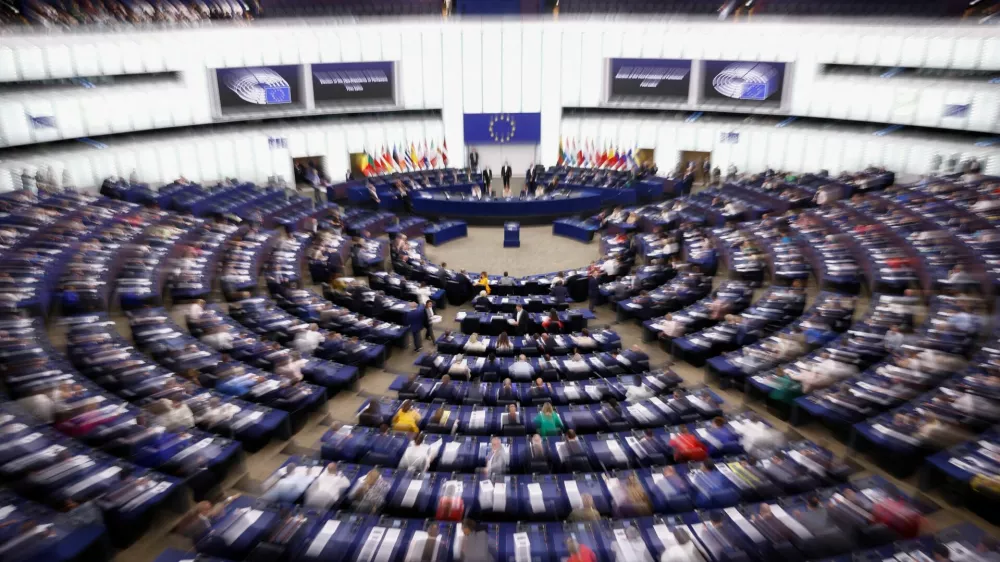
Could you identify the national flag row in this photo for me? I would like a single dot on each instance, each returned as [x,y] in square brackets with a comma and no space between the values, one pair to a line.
[404,159]
[589,154]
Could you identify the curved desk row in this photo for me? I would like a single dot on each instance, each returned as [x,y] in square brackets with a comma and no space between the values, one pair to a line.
[576,202]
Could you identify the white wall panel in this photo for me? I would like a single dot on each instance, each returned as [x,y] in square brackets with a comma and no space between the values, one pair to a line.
[120,111]
[853,156]
[337,160]
[532,80]
[152,55]
[226,158]
[262,158]
[492,67]
[58,61]
[411,70]
[329,47]
[795,152]
[833,154]
[777,141]
[652,42]
[208,161]
[246,168]
[371,44]
[42,108]
[110,55]
[14,125]
[939,51]
[914,51]
[148,167]
[452,94]
[127,162]
[471,78]
[990,58]
[631,41]
[553,49]
[890,51]
[433,76]
[31,62]
[985,111]
[595,48]
[759,155]
[572,43]
[187,161]
[967,52]
[170,170]
[96,118]
[510,81]
[350,44]
[8,64]
[69,117]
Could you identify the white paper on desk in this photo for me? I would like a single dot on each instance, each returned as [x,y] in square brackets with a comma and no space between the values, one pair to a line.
[707,436]
[616,450]
[522,547]
[573,493]
[371,543]
[238,528]
[499,497]
[485,495]
[744,525]
[664,534]
[633,444]
[450,453]
[412,492]
[460,316]
[322,538]
[6,510]
[593,391]
[789,522]
[535,497]
[388,545]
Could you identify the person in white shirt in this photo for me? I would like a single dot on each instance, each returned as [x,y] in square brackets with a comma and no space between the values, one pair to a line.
[217,412]
[521,369]
[173,415]
[195,310]
[683,549]
[460,367]
[327,489]
[306,341]
[477,193]
[292,370]
[638,393]
[218,339]
[610,266]
[418,455]
[632,548]
[672,328]
[423,293]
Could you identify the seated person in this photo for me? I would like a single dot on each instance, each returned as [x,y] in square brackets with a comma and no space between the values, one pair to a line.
[445,390]
[586,511]
[371,416]
[629,499]
[441,418]
[406,419]
[521,370]
[547,422]
[497,460]
[538,454]
[585,341]
[511,416]
[171,414]
[369,493]
[610,412]
[552,324]
[459,368]
[475,345]
[327,489]
[575,363]
[815,517]
[418,455]
[287,484]
[506,392]
[200,520]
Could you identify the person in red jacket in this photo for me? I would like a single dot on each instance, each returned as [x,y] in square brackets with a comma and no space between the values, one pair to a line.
[687,447]
[579,552]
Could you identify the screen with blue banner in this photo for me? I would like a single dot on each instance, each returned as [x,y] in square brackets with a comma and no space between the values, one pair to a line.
[760,82]
[259,88]
[503,128]
[649,79]
[354,82]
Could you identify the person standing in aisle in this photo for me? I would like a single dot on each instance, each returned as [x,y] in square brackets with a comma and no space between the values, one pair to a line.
[505,174]
[488,178]
[474,160]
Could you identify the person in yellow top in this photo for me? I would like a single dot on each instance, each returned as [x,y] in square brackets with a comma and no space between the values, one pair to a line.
[406,419]
[484,280]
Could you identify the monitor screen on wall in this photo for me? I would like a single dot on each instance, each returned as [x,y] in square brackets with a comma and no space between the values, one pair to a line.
[649,79]
[259,89]
[354,83]
[743,81]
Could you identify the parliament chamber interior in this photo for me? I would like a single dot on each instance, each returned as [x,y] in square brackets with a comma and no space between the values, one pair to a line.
[485,280]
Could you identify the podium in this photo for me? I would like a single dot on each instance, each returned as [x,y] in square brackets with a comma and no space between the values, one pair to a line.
[512,235]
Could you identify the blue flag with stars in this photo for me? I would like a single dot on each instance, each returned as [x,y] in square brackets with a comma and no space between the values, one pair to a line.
[503,128]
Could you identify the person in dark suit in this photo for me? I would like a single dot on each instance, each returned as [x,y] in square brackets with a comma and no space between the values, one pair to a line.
[506,392]
[505,174]
[429,320]
[529,180]
[594,289]
[415,322]
[474,160]
[482,302]
[487,177]
[520,320]
[445,390]
[559,292]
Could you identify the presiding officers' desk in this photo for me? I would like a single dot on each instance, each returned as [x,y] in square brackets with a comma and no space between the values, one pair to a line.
[559,203]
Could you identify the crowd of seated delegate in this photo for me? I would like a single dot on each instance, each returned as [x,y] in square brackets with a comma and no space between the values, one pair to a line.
[105,357]
[531,345]
[574,366]
[52,14]
[914,363]
[155,332]
[629,387]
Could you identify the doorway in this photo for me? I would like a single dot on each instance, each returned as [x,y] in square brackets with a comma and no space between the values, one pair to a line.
[700,159]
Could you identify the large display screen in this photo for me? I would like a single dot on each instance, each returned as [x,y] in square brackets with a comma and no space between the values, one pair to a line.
[353,83]
[259,88]
[649,79]
[759,82]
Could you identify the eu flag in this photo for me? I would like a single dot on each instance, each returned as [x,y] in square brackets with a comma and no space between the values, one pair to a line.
[503,128]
